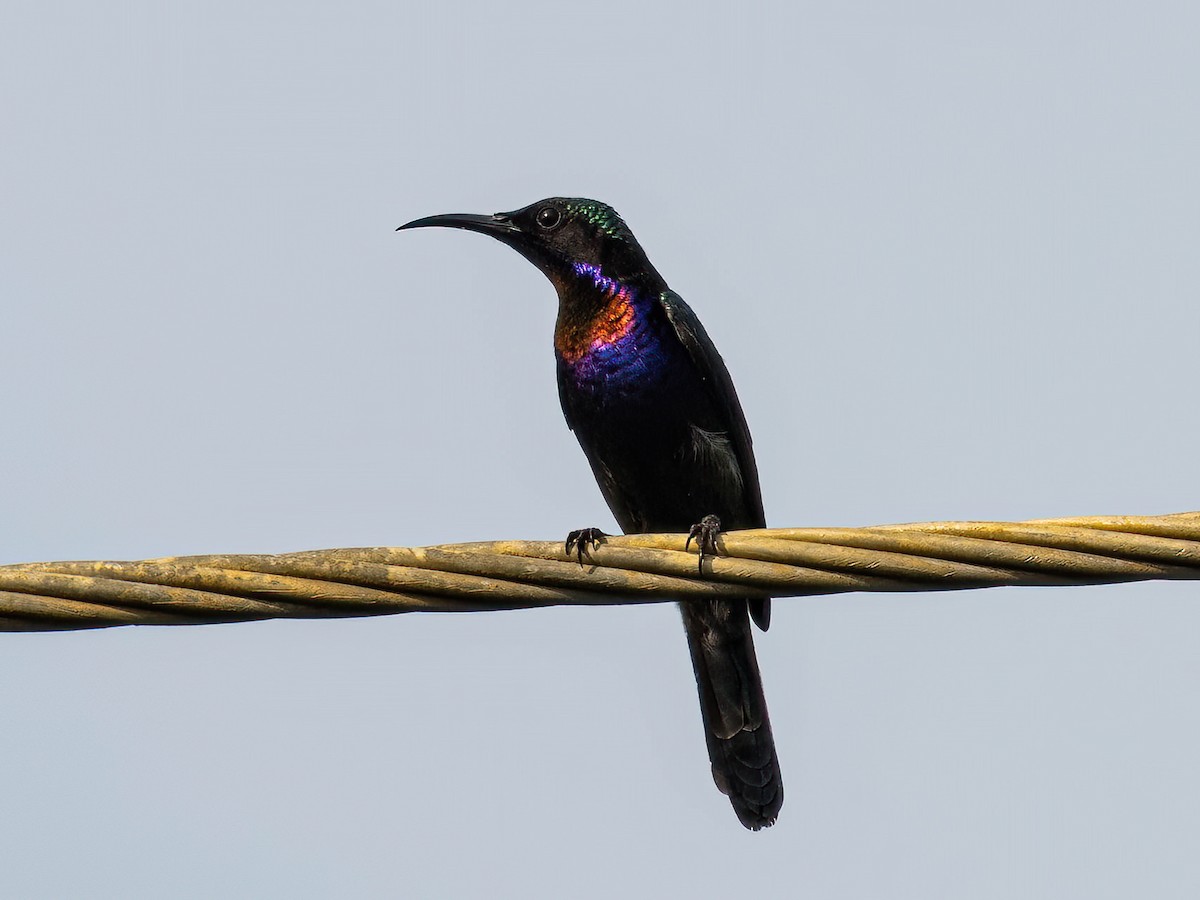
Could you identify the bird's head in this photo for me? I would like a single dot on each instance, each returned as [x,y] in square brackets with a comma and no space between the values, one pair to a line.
[565,237]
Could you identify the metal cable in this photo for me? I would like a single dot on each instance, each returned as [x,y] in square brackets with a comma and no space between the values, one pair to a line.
[644,568]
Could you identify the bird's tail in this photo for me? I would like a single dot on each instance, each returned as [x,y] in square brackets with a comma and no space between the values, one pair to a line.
[736,726]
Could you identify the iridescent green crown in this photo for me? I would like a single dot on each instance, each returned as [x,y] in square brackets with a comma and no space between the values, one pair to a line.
[600,216]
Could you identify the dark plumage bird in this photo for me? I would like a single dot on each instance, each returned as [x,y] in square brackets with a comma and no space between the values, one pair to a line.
[654,408]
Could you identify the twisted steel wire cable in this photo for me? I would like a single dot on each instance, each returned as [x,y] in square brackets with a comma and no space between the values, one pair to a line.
[644,568]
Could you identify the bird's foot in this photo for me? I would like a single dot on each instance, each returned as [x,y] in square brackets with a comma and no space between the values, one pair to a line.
[580,539]
[704,533]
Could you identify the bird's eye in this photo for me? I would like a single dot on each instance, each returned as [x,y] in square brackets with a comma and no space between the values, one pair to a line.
[548,217]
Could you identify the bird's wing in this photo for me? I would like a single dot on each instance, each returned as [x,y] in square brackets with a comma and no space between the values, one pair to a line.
[721,391]
[725,399]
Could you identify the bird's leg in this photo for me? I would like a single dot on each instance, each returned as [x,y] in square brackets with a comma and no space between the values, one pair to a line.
[580,538]
[704,533]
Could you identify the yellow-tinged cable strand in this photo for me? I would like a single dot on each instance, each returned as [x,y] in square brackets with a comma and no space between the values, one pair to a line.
[641,568]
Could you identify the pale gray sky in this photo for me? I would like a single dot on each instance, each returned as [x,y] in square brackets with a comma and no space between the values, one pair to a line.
[950,255]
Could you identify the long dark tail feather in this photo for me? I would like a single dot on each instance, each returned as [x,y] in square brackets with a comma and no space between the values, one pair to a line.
[736,725]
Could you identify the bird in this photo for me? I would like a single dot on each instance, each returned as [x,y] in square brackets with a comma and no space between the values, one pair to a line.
[653,406]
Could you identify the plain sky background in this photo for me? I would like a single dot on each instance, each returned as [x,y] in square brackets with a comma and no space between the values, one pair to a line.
[949,252]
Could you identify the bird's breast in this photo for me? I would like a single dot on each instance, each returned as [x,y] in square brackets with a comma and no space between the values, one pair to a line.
[616,356]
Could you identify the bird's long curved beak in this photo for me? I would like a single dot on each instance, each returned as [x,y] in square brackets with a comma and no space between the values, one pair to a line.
[498,226]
